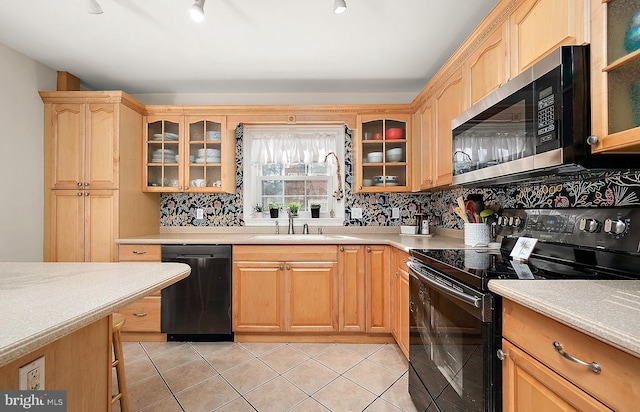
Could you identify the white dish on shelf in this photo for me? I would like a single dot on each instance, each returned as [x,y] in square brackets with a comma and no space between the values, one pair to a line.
[200,160]
[170,136]
[213,135]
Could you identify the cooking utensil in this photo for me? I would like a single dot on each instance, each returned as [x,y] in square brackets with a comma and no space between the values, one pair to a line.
[463,215]
[469,207]
[485,214]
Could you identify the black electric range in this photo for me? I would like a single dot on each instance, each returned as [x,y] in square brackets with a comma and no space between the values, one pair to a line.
[454,318]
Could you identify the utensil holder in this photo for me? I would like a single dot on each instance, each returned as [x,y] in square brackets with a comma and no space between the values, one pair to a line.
[476,234]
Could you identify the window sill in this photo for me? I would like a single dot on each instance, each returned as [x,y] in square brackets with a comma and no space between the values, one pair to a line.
[297,221]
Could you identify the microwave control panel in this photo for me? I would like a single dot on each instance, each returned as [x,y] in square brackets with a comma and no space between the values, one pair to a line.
[546,115]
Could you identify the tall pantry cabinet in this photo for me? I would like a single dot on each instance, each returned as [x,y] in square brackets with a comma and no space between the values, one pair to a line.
[93,175]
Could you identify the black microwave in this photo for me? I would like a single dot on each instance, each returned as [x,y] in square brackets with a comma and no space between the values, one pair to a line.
[535,124]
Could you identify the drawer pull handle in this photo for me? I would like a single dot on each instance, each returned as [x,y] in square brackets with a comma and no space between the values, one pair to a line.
[595,368]
[135,252]
[140,315]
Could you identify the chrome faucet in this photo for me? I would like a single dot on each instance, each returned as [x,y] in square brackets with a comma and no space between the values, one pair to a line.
[290,231]
[305,229]
[277,228]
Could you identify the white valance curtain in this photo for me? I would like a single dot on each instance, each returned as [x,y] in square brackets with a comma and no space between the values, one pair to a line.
[287,145]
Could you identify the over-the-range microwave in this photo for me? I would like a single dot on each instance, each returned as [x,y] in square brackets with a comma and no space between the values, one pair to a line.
[536,124]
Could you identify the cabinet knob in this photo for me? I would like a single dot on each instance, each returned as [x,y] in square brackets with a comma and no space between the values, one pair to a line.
[140,315]
[86,193]
[288,267]
[591,140]
[79,193]
[79,184]
[86,184]
[368,249]
[281,267]
[501,355]
[341,248]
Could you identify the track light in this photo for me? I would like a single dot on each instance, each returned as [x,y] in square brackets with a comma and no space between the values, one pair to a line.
[93,7]
[197,10]
[339,6]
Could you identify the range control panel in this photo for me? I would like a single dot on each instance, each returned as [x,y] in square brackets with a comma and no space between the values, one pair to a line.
[606,228]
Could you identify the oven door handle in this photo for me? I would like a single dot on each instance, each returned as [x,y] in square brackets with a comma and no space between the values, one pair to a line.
[469,299]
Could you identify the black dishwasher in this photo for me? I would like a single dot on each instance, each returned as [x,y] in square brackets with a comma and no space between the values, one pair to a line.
[198,308]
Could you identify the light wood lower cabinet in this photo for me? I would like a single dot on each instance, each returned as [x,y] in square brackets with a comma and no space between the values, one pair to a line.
[536,377]
[296,295]
[400,300]
[352,290]
[142,317]
[378,289]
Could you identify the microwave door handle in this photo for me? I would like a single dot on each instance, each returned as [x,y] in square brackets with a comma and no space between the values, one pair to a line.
[469,299]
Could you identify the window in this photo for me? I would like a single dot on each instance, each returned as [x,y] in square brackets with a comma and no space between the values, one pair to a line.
[285,164]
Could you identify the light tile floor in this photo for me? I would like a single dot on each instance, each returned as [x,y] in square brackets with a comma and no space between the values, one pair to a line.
[271,377]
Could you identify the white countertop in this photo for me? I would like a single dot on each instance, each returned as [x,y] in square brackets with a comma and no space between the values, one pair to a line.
[608,310]
[42,302]
[443,239]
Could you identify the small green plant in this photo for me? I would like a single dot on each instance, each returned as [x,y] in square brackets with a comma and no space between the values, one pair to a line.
[275,205]
[293,207]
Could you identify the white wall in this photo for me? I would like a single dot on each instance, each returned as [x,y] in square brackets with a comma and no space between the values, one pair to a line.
[21,161]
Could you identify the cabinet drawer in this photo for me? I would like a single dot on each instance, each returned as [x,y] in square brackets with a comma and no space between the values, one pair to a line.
[286,253]
[614,386]
[142,315]
[139,253]
[402,258]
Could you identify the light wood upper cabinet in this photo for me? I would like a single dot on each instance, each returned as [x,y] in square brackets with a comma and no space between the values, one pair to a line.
[448,103]
[379,135]
[92,151]
[487,67]
[615,78]
[189,153]
[423,153]
[538,27]
[84,144]
[351,275]
[378,286]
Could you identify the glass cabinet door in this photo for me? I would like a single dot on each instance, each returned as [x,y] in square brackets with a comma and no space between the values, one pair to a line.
[623,64]
[204,154]
[163,154]
[615,75]
[384,154]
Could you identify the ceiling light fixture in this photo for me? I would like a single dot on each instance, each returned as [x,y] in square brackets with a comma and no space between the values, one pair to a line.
[93,7]
[339,6]
[197,11]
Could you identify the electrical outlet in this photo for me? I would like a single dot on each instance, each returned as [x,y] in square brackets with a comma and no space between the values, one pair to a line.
[356,213]
[31,376]
[395,213]
[199,214]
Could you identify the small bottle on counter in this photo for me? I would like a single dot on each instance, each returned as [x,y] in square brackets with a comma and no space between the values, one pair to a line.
[425,227]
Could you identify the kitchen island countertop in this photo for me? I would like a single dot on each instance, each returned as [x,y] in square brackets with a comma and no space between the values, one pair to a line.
[608,310]
[42,302]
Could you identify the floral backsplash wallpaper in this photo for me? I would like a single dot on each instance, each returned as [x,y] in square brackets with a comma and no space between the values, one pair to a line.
[597,190]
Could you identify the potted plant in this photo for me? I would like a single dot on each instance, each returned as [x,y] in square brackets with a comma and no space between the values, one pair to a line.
[258,209]
[293,208]
[315,210]
[274,209]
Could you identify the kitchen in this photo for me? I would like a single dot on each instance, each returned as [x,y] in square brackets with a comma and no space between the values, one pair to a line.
[616,189]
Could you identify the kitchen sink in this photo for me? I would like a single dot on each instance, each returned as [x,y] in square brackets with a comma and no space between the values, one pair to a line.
[306,237]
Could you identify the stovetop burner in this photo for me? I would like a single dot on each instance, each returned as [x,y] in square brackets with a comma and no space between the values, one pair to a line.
[573,244]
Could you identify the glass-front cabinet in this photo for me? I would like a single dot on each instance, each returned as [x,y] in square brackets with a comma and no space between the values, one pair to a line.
[189,153]
[382,153]
[615,75]
[163,154]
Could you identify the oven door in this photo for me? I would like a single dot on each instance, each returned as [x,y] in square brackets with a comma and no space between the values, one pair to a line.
[452,359]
